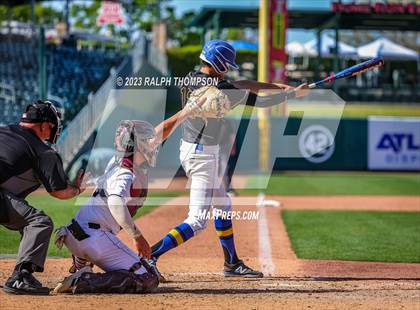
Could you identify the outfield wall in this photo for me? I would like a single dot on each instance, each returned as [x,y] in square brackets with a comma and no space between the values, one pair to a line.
[379,143]
[346,152]
[375,143]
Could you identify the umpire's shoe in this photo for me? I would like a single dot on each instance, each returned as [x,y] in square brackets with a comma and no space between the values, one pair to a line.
[241,270]
[24,283]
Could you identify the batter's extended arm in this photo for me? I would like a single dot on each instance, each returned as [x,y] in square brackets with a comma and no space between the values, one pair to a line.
[269,94]
[255,86]
[167,127]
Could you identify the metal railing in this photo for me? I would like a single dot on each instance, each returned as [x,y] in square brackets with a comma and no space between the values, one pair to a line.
[157,59]
[9,111]
[138,53]
[7,92]
[87,120]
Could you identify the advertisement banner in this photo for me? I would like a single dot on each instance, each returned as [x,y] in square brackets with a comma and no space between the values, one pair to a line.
[278,27]
[318,146]
[393,143]
[111,12]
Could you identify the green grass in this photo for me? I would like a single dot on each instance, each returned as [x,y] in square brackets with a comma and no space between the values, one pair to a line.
[357,236]
[339,183]
[364,110]
[361,110]
[352,110]
[61,211]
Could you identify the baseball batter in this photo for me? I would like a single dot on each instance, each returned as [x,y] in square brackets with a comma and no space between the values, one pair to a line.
[199,154]
[91,234]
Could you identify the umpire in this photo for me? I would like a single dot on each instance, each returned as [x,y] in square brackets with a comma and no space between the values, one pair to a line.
[26,162]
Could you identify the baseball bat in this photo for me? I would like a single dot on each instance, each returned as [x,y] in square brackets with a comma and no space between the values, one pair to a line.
[348,72]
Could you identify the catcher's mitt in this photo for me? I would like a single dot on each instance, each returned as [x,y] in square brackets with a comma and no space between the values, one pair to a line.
[216,105]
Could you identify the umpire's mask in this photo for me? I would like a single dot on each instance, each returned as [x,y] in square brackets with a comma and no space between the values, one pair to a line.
[45,111]
[135,135]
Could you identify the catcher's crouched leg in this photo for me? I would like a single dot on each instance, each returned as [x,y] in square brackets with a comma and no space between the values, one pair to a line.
[117,282]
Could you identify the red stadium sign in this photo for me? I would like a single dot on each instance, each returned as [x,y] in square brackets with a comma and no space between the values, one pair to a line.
[110,13]
[277,53]
[377,8]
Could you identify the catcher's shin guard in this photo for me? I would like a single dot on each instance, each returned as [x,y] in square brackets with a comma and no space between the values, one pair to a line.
[66,286]
[117,282]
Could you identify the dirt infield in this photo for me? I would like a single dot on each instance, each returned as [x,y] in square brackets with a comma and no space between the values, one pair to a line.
[194,269]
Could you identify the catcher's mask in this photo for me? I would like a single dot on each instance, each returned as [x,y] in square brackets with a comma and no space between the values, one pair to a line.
[45,111]
[135,135]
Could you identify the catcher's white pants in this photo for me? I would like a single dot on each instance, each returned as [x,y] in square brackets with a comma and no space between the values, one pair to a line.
[103,249]
[200,163]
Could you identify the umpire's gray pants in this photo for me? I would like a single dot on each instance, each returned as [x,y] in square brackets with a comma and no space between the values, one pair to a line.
[34,226]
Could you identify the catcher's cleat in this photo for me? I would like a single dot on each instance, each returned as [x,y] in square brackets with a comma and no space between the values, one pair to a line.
[72,269]
[152,263]
[241,270]
[69,282]
[79,263]
[24,283]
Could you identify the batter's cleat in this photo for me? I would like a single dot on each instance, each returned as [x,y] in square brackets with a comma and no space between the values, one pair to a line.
[24,283]
[69,282]
[152,263]
[231,193]
[241,270]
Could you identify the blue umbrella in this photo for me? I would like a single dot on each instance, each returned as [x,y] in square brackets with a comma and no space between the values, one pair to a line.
[244,45]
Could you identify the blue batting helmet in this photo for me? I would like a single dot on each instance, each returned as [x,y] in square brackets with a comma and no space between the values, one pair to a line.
[220,55]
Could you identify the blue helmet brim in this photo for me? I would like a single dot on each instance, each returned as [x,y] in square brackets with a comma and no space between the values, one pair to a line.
[223,68]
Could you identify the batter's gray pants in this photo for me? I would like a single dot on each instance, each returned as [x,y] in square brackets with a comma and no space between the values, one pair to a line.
[34,226]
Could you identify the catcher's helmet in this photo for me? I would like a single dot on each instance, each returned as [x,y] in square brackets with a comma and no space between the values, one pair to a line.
[45,111]
[220,55]
[136,135]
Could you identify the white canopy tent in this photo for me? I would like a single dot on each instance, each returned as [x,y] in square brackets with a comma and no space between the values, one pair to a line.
[327,47]
[387,49]
[297,49]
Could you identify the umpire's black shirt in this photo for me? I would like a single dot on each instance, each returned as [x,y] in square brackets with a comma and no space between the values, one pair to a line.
[26,162]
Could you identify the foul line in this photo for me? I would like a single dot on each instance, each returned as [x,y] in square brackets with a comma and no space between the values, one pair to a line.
[264,251]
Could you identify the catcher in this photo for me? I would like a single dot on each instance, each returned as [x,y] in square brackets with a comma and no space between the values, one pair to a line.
[91,234]
[199,150]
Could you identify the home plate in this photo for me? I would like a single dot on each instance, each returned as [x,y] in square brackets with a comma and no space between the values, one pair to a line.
[271,203]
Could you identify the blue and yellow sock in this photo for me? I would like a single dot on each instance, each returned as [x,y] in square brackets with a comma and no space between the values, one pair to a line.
[174,238]
[224,231]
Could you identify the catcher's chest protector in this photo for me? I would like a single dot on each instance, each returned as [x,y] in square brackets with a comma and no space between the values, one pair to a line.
[138,193]
[138,190]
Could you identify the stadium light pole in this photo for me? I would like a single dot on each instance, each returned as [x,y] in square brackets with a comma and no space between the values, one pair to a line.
[263,114]
[66,16]
[33,16]
[42,65]
[336,64]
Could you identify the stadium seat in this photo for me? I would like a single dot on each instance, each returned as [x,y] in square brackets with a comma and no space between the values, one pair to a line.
[71,73]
